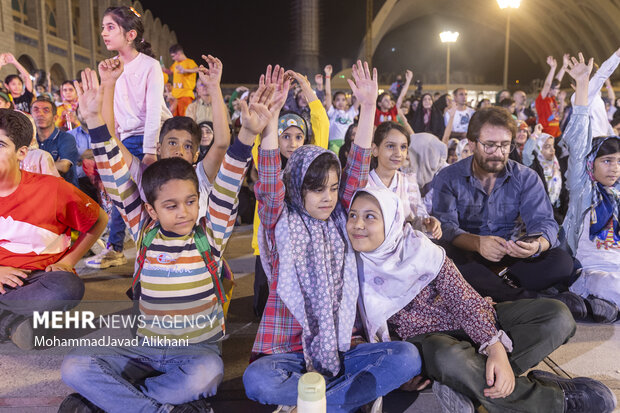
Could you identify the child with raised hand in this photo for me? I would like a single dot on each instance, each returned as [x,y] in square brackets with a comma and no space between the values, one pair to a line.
[293,132]
[591,224]
[340,117]
[410,288]
[180,136]
[20,88]
[389,150]
[186,281]
[139,107]
[313,288]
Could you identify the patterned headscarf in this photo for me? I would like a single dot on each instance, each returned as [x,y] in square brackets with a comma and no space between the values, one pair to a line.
[605,201]
[551,169]
[292,119]
[317,278]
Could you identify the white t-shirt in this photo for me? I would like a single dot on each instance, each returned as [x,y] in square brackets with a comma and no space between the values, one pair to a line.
[461,119]
[339,122]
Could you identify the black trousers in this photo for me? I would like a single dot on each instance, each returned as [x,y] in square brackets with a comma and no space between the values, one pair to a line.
[551,268]
[261,288]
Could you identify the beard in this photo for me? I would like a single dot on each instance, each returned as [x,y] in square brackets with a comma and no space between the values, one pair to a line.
[493,164]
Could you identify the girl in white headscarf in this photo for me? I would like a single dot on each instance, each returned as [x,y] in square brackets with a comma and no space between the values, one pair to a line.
[409,288]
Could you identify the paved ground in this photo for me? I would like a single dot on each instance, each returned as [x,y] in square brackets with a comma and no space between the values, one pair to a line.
[30,381]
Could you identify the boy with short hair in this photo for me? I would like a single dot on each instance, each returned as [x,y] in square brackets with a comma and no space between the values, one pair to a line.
[183,72]
[36,256]
[171,269]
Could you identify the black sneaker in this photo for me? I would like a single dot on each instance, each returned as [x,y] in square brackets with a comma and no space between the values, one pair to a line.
[601,310]
[575,304]
[22,335]
[76,403]
[581,394]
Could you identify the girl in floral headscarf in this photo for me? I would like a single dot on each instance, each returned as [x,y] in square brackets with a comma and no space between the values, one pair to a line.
[591,224]
[309,318]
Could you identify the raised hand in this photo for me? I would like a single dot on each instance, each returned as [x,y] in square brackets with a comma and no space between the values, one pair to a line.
[301,80]
[565,60]
[578,69]
[90,97]
[328,70]
[110,70]
[408,75]
[552,62]
[281,85]
[9,58]
[255,117]
[363,85]
[211,76]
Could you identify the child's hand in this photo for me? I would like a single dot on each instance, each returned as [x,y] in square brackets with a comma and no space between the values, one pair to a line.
[110,70]
[212,76]
[11,277]
[499,374]
[408,75]
[328,70]
[565,60]
[433,226]
[59,266]
[255,117]
[364,86]
[281,85]
[552,62]
[579,70]
[89,97]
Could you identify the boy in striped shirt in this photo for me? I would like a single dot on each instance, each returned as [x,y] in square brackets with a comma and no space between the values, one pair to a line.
[173,277]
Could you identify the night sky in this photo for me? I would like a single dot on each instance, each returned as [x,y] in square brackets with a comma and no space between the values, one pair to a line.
[247,35]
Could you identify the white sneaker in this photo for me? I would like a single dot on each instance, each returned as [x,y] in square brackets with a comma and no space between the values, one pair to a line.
[106,258]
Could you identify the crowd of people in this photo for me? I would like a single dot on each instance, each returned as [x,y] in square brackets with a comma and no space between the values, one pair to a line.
[397,241]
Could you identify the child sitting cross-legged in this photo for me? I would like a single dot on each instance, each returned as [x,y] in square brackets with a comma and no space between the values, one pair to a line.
[178,272]
[474,350]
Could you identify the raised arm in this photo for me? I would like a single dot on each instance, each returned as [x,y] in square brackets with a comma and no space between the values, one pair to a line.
[111,166]
[327,102]
[211,78]
[560,75]
[109,72]
[448,130]
[355,173]
[547,86]
[9,58]
[318,115]
[602,76]
[405,89]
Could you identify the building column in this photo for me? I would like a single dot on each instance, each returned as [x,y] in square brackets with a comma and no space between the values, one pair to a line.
[45,63]
[92,40]
[70,45]
[306,43]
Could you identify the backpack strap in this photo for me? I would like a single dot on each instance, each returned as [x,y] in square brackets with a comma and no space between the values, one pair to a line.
[145,240]
[202,244]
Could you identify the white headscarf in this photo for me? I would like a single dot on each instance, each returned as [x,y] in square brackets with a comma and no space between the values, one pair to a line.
[551,169]
[427,155]
[393,274]
[460,146]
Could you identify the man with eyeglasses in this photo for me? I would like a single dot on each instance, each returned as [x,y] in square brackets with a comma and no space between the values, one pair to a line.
[484,201]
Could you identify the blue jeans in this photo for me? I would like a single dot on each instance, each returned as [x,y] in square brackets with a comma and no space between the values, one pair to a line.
[42,291]
[144,379]
[117,225]
[370,371]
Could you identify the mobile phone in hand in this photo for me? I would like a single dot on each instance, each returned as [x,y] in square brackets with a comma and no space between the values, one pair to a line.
[530,237]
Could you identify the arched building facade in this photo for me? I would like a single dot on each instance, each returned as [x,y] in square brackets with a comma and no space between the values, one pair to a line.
[63,36]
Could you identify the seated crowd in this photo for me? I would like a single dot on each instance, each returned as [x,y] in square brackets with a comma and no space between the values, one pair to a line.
[395,241]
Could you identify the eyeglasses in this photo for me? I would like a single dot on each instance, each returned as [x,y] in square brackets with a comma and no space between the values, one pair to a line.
[490,148]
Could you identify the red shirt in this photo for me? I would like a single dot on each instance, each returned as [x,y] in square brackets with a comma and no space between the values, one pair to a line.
[548,116]
[37,218]
[381,116]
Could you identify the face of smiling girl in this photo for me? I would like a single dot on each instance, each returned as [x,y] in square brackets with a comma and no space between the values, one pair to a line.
[365,225]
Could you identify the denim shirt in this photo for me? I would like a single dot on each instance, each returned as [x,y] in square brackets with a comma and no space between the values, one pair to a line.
[463,206]
[578,138]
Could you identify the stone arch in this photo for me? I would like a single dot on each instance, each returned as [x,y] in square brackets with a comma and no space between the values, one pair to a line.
[58,74]
[28,62]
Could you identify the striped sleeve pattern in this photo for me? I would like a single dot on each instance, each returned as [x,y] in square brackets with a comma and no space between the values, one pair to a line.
[224,197]
[116,179]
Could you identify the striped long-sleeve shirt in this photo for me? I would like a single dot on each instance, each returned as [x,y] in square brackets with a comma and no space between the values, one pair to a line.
[174,280]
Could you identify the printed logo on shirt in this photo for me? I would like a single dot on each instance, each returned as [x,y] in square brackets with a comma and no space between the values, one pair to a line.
[465,119]
[164,258]
[343,120]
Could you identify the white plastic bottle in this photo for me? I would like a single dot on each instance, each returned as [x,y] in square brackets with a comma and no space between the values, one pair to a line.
[311,394]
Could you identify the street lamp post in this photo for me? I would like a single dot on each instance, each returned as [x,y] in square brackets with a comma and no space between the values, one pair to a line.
[447,38]
[507,4]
